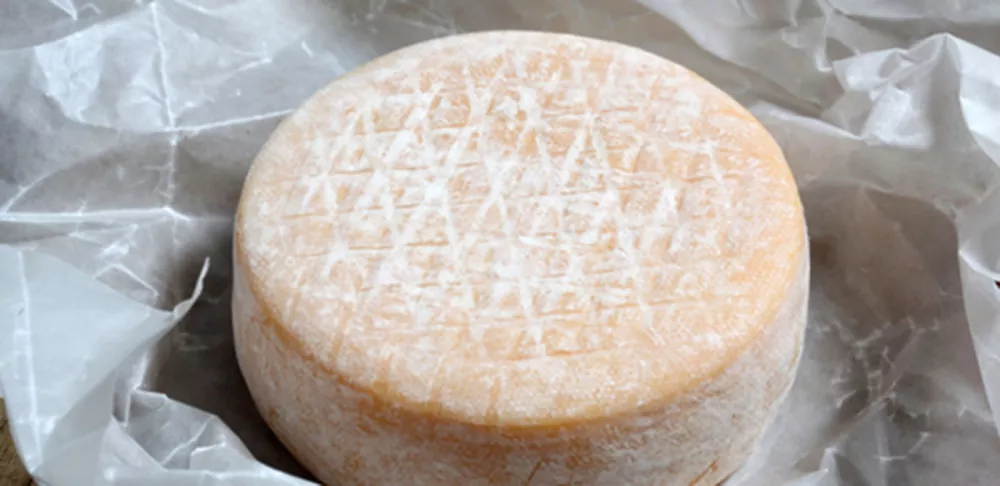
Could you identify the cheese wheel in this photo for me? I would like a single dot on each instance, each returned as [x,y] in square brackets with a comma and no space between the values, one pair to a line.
[517,258]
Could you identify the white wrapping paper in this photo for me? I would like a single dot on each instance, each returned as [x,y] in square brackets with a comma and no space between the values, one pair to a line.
[126,128]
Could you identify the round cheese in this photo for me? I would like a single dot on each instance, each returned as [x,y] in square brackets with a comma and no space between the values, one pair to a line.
[517,258]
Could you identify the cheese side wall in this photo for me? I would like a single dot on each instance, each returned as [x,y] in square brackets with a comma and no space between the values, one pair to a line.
[347,436]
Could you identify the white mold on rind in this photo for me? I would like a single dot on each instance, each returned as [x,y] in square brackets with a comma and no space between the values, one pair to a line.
[520,258]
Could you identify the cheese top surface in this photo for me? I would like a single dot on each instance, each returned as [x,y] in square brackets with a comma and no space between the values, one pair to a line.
[521,229]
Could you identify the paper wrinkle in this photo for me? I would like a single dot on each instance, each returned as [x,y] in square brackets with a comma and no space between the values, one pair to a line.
[126,129]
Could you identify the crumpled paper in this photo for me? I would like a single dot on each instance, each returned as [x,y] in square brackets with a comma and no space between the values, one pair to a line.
[126,128]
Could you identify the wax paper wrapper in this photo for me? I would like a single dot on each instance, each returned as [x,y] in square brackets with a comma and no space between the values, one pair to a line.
[126,128]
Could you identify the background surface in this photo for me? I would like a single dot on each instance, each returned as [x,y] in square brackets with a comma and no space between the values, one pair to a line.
[11,470]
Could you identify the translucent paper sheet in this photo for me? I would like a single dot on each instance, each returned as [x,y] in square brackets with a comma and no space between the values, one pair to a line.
[126,128]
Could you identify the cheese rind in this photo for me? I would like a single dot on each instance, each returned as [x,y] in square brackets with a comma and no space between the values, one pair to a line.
[519,258]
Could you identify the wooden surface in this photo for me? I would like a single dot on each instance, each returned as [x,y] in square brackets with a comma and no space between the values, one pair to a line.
[11,471]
